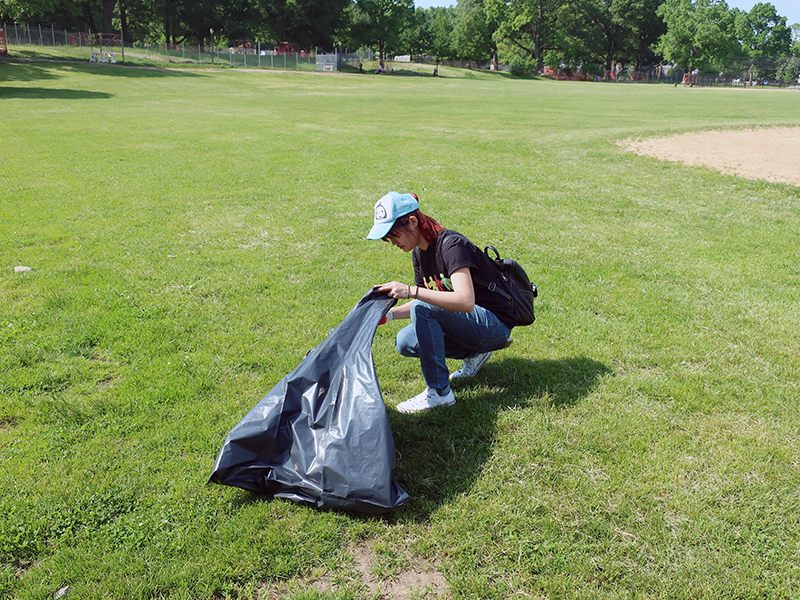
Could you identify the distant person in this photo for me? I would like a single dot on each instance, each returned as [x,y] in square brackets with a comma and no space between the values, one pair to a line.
[451,316]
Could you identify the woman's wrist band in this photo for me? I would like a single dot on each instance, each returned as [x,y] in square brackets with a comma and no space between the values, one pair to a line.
[389,315]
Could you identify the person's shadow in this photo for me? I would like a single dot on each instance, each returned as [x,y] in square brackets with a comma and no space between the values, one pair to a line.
[440,452]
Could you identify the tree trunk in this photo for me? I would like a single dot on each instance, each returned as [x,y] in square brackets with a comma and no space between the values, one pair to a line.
[539,55]
[167,22]
[108,15]
[123,17]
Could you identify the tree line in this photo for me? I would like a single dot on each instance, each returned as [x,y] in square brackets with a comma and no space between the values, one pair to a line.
[593,35]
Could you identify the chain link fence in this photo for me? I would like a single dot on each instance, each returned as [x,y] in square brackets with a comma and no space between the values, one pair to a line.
[113,49]
[780,71]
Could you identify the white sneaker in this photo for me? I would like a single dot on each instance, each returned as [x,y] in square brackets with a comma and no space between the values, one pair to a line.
[470,366]
[428,399]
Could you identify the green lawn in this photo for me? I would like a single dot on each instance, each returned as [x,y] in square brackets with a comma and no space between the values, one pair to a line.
[193,234]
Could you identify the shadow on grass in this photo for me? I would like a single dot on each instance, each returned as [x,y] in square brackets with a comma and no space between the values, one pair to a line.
[38,93]
[441,452]
[43,70]
[421,72]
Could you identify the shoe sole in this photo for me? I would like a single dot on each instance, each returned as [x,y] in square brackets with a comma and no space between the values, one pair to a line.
[419,410]
[454,376]
[457,375]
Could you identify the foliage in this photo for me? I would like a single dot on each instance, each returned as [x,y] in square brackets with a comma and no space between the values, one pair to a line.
[474,31]
[700,33]
[380,23]
[25,11]
[416,38]
[645,29]
[593,35]
[308,23]
[441,24]
[527,28]
[762,32]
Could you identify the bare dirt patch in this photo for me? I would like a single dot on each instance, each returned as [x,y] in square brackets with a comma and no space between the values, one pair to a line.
[417,579]
[771,154]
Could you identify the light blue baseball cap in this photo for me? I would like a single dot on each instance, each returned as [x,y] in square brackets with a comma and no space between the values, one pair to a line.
[388,209]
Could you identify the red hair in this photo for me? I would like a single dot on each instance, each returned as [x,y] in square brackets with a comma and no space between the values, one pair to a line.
[429,227]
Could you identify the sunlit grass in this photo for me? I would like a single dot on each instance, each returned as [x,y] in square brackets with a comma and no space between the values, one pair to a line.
[192,234]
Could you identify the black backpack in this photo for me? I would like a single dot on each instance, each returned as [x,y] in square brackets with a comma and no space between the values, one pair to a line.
[521,291]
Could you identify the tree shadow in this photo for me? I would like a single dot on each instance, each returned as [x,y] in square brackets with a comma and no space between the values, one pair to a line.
[43,70]
[142,71]
[440,453]
[38,93]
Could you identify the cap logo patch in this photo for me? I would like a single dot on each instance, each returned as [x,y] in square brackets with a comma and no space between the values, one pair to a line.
[380,212]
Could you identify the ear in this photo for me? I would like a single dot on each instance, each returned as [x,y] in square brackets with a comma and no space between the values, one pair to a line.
[413,221]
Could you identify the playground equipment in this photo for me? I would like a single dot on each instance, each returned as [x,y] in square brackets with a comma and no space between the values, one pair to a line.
[103,57]
[287,48]
[106,41]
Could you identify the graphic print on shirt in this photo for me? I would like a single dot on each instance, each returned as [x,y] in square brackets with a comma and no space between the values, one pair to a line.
[440,284]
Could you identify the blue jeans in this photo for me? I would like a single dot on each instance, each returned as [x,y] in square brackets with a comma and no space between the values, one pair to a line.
[436,334]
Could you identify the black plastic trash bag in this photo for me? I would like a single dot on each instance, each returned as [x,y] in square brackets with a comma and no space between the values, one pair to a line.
[321,435]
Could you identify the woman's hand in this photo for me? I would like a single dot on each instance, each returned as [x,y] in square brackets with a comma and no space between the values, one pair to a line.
[398,290]
[460,299]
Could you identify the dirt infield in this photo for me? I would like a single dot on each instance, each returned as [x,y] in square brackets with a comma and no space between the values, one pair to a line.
[771,154]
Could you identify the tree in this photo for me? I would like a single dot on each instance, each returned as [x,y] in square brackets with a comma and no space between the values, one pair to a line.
[526,28]
[416,36]
[306,22]
[472,35]
[96,15]
[646,28]
[595,32]
[27,11]
[440,24]
[762,32]
[609,32]
[380,23]
[700,33]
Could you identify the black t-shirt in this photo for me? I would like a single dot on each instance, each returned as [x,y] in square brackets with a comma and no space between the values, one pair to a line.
[452,251]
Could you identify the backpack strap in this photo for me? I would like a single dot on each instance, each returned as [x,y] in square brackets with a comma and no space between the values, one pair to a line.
[491,285]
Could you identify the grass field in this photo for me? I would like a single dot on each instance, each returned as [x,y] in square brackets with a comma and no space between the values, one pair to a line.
[193,233]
